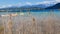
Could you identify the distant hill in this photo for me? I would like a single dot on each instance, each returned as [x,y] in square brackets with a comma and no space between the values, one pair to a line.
[26,7]
[56,6]
[30,7]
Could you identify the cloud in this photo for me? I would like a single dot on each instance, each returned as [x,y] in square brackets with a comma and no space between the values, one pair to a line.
[58,1]
[23,3]
[3,6]
[9,5]
[46,2]
[28,3]
[18,4]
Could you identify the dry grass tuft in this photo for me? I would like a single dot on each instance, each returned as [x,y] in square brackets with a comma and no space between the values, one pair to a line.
[1,29]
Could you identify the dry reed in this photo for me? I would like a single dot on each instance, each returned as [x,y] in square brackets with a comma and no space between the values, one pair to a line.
[47,25]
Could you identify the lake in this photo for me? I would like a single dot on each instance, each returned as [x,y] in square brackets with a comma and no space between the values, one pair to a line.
[35,13]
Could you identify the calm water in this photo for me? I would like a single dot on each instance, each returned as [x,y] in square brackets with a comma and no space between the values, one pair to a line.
[36,13]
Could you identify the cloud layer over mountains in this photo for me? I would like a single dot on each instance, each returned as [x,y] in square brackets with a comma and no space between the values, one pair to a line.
[47,3]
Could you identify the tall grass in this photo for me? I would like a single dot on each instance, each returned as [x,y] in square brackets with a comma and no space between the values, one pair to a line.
[48,25]
[1,30]
[10,24]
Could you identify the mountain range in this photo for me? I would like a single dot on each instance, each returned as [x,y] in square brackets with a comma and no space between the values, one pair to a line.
[32,7]
[56,6]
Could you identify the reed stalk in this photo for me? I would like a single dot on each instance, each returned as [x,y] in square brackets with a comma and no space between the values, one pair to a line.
[3,22]
[10,25]
[1,30]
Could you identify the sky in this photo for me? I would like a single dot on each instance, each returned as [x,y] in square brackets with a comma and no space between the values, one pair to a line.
[9,3]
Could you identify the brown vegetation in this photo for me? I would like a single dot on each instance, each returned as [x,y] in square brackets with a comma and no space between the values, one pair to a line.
[32,25]
[1,30]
